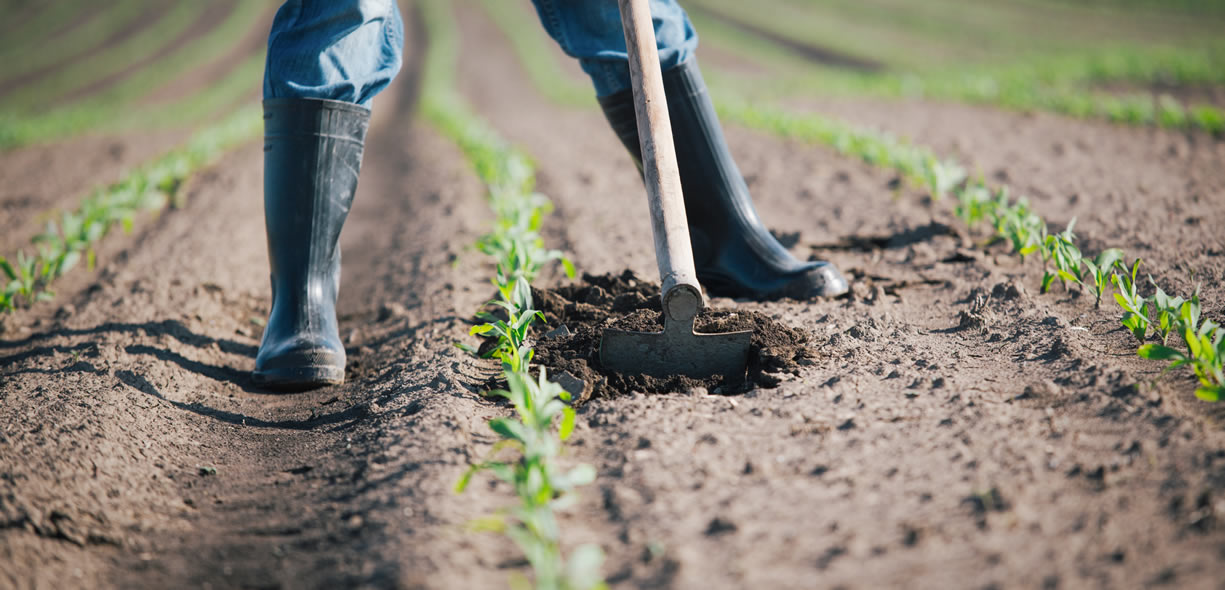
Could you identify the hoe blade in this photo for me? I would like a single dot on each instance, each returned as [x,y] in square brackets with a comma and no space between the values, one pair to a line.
[678,350]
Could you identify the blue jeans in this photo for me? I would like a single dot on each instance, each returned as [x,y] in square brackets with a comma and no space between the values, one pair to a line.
[345,50]
[350,50]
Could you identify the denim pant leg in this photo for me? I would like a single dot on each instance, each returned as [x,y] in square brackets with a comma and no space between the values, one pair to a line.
[591,31]
[346,50]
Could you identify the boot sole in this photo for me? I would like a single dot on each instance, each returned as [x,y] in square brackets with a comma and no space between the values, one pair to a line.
[298,378]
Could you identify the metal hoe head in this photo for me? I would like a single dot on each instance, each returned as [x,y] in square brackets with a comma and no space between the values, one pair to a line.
[678,350]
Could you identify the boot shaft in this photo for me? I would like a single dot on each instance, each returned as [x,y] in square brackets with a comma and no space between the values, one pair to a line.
[312,156]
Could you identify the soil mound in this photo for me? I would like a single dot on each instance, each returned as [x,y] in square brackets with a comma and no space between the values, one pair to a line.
[577,315]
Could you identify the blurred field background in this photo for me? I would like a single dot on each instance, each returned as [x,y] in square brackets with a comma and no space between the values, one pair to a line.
[69,67]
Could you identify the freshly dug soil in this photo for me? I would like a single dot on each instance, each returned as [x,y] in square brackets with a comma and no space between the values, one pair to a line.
[577,316]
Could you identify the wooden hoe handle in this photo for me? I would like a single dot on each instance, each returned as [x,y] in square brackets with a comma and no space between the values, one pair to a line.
[673,252]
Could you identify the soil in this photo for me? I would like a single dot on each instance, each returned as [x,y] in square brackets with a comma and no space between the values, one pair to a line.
[948,427]
[29,196]
[577,315]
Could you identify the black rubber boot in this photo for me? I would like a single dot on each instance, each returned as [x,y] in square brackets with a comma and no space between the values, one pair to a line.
[312,154]
[735,255]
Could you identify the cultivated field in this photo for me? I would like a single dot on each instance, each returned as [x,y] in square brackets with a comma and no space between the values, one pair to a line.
[1004,399]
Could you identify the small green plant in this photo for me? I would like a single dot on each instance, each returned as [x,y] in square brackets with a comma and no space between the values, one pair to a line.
[1205,352]
[1167,309]
[511,335]
[1097,272]
[1015,222]
[941,177]
[541,486]
[62,245]
[974,203]
[1135,307]
[1061,252]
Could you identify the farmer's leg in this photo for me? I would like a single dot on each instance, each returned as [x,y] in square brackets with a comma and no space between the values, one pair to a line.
[326,60]
[734,252]
[346,50]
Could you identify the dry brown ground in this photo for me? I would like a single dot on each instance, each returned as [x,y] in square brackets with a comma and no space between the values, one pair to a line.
[1027,448]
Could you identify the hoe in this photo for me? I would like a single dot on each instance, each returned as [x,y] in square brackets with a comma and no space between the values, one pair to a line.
[678,350]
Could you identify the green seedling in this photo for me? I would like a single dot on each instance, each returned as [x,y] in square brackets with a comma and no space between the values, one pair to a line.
[974,203]
[1205,355]
[1205,350]
[1061,252]
[62,246]
[941,177]
[539,483]
[1098,272]
[1167,312]
[1135,307]
[10,287]
[512,348]
[1024,230]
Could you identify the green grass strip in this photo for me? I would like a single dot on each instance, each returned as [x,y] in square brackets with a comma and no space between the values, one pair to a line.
[240,83]
[1057,83]
[66,242]
[1011,220]
[920,36]
[530,468]
[80,74]
[110,104]
[49,19]
[24,59]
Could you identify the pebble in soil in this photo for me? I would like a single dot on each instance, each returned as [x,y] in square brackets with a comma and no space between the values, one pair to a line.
[578,314]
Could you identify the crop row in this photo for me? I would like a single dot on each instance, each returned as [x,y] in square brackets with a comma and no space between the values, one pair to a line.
[22,120]
[1051,83]
[22,59]
[543,418]
[70,239]
[1014,222]
[1062,83]
[919,36]
[1011,220]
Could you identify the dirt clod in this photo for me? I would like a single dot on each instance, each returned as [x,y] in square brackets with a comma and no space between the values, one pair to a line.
[627,302]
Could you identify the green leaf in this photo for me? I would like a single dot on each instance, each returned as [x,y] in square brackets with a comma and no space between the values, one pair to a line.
[1047,280]
[581,475]
[1158,352]
[8,269]
[1109,257]
[583,568]
[1210,393]
[567,423]
[509,428]
[466,478]
[569,267]
[487,524]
